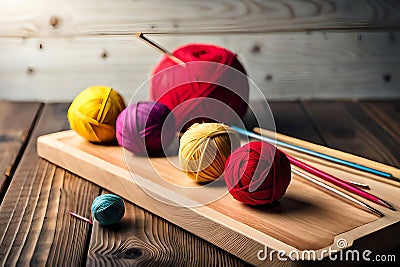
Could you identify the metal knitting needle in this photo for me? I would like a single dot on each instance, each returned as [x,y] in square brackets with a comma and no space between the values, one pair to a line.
[159,48]
[340,193]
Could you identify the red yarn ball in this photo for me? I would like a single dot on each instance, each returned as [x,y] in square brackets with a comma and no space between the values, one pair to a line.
[187,89]
[257,173]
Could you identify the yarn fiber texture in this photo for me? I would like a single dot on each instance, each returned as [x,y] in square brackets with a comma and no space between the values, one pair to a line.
[204,149]
[257,173]
[108,209]
[186,90]
[94,112]
[145,128]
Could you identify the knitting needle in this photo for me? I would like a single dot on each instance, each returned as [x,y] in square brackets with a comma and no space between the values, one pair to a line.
[340,193]
[338,182]
[318,154]
[80,217]
[323,175]
[159,48]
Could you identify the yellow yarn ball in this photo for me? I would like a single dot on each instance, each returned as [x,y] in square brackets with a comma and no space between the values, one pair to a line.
[94,112]
[204,149]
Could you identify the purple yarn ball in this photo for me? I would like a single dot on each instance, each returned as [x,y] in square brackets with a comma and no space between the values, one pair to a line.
[145,128]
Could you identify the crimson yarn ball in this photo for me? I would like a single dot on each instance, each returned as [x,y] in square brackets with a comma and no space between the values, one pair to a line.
[257,173]
[186,89]
[145,128]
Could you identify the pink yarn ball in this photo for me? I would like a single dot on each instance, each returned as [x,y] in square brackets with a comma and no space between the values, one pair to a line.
[145,128]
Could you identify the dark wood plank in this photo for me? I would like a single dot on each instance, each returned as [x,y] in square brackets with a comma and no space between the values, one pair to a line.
[345,126]
[386,114]
[289,118]
[16,122]
[82,19]
[144,239]
[35,228]
[292,120]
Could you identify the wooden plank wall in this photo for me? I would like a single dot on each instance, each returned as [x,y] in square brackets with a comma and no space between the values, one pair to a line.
[51,50]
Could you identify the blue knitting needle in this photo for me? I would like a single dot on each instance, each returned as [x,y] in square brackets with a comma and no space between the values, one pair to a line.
[314,153]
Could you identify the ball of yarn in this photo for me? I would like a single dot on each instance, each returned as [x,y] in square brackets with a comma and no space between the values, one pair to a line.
[108,209]
[145,127]
[204,149]
[185,90]
[257,173]
[94,112]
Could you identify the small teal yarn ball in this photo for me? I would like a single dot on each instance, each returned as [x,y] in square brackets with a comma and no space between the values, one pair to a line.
[108,209]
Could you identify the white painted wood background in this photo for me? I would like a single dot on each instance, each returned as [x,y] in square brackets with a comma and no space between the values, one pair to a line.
[52,49]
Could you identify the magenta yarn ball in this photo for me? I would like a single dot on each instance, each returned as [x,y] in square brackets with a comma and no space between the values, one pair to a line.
[145,128]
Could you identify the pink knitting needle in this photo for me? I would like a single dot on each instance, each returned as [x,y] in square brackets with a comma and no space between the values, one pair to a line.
[80,217]
[338,182]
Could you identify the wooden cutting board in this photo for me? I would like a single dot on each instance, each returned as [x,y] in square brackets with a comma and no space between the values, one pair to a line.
[306,218]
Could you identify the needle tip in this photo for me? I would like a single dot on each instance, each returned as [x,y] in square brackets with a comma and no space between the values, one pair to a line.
[377,212]
[139,34]
[390,206]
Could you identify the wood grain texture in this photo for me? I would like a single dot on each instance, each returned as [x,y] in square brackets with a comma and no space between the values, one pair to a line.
[76,18]
[282,65]
[16,122]
[144,239]
[302,220]
[386,114]
[52,242]
[346,127]
[34,225]
[291,119]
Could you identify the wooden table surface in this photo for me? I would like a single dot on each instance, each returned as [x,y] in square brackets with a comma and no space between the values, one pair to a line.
[36,195]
